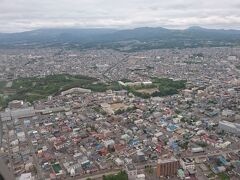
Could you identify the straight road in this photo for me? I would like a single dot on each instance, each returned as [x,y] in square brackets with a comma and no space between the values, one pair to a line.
[112,67]
[32,150]
[213,154]
[100,175]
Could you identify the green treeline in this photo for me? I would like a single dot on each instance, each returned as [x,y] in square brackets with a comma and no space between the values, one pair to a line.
[36,88]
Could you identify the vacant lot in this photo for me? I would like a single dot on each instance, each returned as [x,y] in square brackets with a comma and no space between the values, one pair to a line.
[148,91]
[117,106]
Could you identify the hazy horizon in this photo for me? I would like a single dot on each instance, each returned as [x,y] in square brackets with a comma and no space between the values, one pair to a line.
[117,29]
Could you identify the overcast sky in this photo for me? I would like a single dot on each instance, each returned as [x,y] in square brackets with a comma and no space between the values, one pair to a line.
[22,15]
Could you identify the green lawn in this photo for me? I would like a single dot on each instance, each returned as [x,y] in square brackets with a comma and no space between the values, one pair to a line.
[223,176]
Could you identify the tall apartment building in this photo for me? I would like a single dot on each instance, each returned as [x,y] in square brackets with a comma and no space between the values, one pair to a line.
[167,167]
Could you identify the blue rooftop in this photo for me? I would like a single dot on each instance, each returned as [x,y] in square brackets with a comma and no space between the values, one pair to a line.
[171,127]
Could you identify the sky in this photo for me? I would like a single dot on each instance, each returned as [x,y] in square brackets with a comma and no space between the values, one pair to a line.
[24,15]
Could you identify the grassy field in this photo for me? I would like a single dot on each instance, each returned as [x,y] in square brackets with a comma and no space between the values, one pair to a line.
[223,176]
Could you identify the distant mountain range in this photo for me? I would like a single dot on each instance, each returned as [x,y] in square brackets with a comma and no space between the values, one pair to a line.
[130,39]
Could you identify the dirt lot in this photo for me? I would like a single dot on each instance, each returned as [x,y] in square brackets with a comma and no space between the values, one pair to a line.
[117,106]
[147,91]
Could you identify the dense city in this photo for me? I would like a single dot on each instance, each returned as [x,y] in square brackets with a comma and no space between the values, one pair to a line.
[138,130]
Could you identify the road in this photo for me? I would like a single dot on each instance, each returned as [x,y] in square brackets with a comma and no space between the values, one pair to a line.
[1,131]
[213,154]
[100,175]
[10,154]
[112,67]
[32,150]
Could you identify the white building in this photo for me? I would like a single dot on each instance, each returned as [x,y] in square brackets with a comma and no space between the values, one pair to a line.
[141,177]
[109,143]
[187,164]
[131,171]
[197,150]
[229,127]
[75,91]
[119,162]
[26,176]
[8,114]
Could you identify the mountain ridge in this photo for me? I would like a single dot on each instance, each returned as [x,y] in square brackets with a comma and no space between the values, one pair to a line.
[102,37]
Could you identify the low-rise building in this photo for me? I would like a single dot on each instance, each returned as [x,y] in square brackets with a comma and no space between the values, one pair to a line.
[131,171]
[188,164]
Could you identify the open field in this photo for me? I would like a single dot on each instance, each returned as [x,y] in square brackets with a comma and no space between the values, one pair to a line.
[148,91]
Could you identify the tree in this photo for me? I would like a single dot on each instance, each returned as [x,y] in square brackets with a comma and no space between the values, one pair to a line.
[149,171]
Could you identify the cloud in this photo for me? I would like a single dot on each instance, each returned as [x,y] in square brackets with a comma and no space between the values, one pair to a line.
[21,15]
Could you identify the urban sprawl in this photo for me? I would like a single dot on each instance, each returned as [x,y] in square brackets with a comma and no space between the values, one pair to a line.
[160,114]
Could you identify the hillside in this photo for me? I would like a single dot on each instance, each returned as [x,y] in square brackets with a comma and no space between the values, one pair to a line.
[129,39]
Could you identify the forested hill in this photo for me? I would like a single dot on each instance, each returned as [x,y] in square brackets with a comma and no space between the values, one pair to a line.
[129,39]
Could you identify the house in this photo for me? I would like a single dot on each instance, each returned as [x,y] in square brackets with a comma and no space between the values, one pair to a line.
[208,140]
[59,145]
